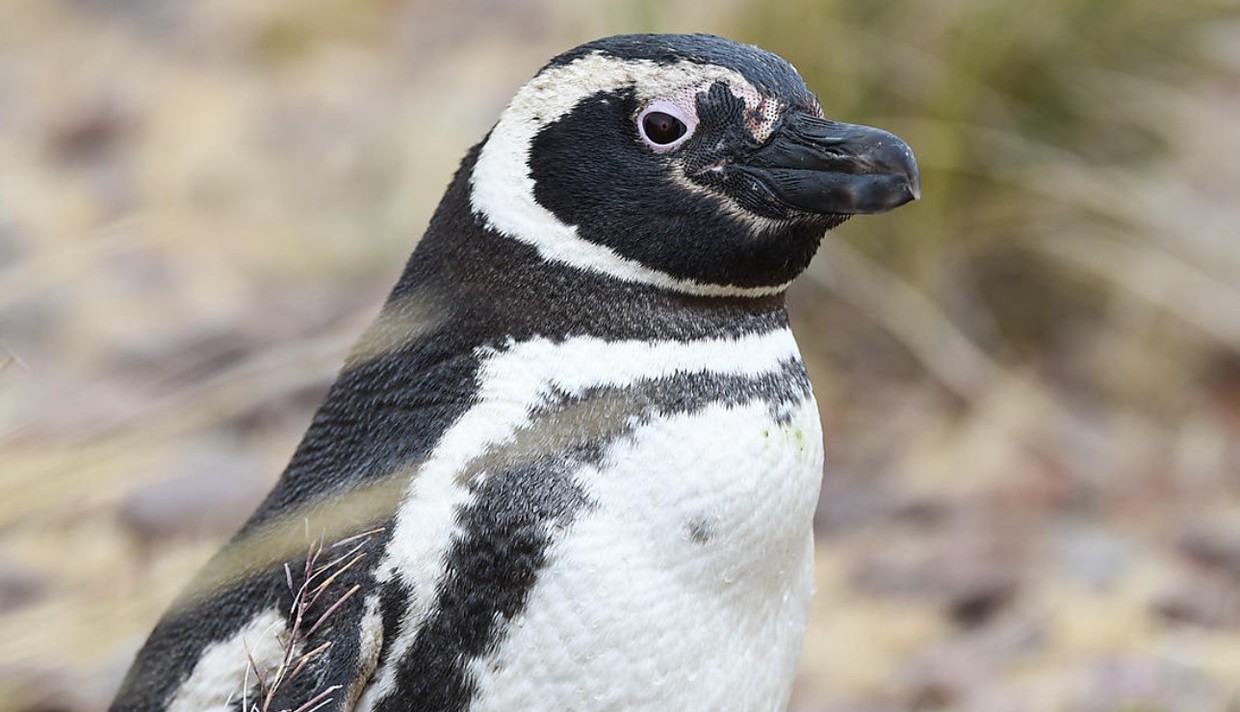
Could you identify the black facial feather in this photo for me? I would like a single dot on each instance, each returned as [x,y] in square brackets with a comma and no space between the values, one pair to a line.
[591,170]
[723,117]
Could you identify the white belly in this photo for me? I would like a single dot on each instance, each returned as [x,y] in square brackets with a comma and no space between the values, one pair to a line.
[683,584]
[687,586]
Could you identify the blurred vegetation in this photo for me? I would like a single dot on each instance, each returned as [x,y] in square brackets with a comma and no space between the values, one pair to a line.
[1034,124]
[1030,379]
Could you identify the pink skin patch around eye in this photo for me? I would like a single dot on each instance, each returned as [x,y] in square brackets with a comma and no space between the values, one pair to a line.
[763,113]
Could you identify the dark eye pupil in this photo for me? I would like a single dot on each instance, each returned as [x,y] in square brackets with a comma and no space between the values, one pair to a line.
[663,128]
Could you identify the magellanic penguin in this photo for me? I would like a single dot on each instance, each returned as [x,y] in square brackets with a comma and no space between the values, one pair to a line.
[573,464]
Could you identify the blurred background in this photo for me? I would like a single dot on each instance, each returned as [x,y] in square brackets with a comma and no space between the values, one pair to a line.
[1030,379]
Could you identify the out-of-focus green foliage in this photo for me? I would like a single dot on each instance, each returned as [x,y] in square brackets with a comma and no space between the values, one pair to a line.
[1020,113]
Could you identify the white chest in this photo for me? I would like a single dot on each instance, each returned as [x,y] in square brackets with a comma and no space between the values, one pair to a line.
[682,583]
[688,584]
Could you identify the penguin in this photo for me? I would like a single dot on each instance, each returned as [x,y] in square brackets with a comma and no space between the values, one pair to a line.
[574,462]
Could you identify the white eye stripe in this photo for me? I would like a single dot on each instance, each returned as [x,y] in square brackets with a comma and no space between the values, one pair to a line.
[677,111]
[502,190]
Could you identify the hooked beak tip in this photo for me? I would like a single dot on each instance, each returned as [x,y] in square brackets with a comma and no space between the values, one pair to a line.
[905,165]
[914,187]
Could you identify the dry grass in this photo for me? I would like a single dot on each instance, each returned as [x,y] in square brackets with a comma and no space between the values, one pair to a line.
[303,622]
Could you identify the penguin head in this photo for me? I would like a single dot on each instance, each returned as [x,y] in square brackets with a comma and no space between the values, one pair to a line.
[687,162]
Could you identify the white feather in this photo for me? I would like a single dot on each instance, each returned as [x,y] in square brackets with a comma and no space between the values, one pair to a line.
[223,675]
[631,613]
[512,382]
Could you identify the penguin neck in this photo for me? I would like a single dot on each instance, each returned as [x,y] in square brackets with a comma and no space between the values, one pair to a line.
[501,288]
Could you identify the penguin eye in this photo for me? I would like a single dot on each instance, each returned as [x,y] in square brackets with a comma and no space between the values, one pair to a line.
[664,126]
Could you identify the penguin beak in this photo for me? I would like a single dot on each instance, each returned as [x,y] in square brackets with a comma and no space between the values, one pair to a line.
[821,166]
